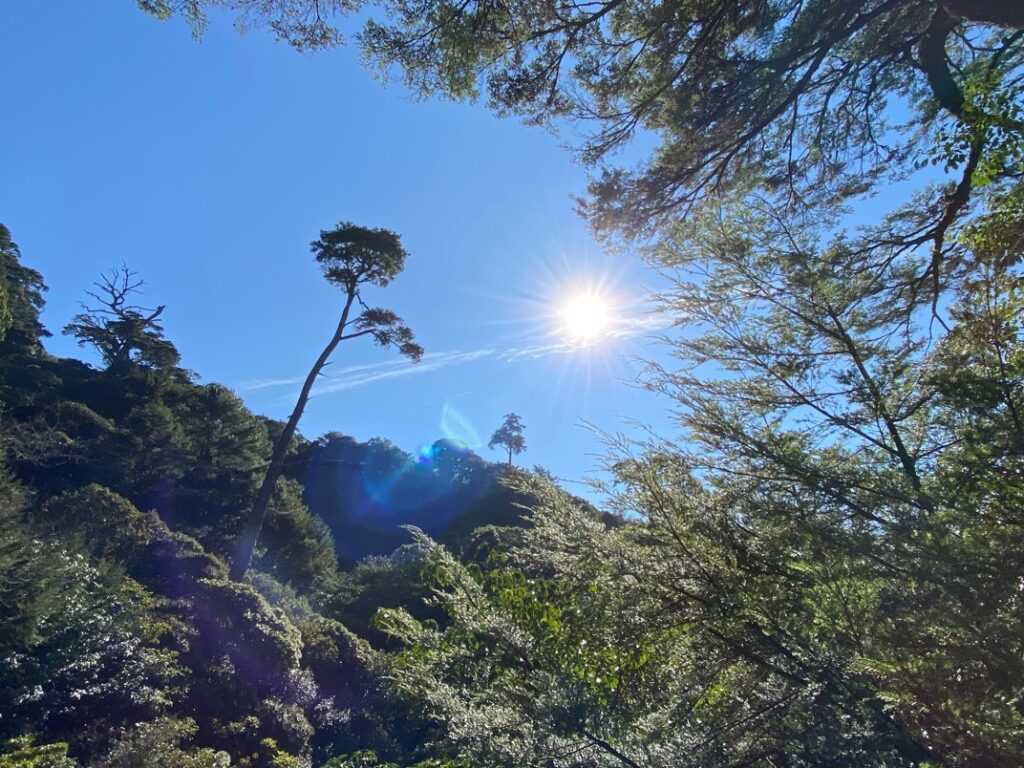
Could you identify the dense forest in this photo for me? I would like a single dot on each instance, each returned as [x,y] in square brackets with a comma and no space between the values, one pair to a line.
[126,485]
[824,566]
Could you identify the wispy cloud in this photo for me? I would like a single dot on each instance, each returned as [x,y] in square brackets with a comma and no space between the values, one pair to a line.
[251,385]
[349,379]
[353,376]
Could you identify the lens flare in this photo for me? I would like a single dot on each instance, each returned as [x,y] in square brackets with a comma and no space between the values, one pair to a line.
[457,427]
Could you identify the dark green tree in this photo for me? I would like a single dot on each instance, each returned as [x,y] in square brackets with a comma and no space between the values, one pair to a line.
[125,334]
[351,258]
[23,361]
[297,547]
[221,447]
[76,656]
[23,753]
[509,436]
[159,743]
[21,300]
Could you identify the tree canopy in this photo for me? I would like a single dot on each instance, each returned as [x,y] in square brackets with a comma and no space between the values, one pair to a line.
[123,640]
[817,101]
[805,96]
[124,334]
[21,300]
[509,436]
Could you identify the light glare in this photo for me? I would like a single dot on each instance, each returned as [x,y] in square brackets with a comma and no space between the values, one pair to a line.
[585,316]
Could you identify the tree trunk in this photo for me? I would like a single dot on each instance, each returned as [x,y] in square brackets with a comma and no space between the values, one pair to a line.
[1002,13]
[250,533]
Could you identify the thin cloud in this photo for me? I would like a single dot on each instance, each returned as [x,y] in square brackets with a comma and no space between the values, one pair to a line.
[354,376]
[634,326]
[400,368]
[348,370]
[251,385]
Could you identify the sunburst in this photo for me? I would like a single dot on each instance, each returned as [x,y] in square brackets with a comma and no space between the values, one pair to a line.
[586,317]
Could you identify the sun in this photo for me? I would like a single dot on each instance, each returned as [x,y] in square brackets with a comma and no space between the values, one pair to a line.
[586,316]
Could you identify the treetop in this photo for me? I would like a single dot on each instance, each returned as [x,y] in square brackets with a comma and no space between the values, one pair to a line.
[351,255]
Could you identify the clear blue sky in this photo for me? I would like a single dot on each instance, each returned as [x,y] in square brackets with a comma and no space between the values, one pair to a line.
[208,167]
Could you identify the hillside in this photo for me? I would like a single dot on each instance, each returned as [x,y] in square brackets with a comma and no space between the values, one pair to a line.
[125,485]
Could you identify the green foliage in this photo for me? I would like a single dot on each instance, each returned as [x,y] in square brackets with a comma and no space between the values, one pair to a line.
[193,453]
[125,335]
[303,24]
[338,659]
[799,95]
[297,547]
[367,758]
[225,447]
[120,632]
[823,568]
[21,300]
[867,440]
[22,753]
[106,524]
[825,571]
[383,582]
[510,436]
[363,759]
[24,592]
[78,652]
[158,744]
[81,661]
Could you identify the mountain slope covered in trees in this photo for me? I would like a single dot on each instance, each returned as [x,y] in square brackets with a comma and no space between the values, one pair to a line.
[123,639]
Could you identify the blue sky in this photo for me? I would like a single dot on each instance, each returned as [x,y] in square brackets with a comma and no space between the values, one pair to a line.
[208,167]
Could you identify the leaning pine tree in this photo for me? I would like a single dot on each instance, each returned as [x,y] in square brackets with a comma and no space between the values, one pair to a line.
[351,257]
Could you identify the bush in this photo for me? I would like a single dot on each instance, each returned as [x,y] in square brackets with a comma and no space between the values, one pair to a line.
[21,753]
[158,744]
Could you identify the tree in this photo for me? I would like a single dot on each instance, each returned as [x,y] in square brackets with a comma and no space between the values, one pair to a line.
[303,24]
[21,300]
[800,97]
[794,93]
[23,361]
[510,436]
[822,568]
[298,549]
[75,658]
[351,258]
[124,334]
[23,753]
[158,743]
